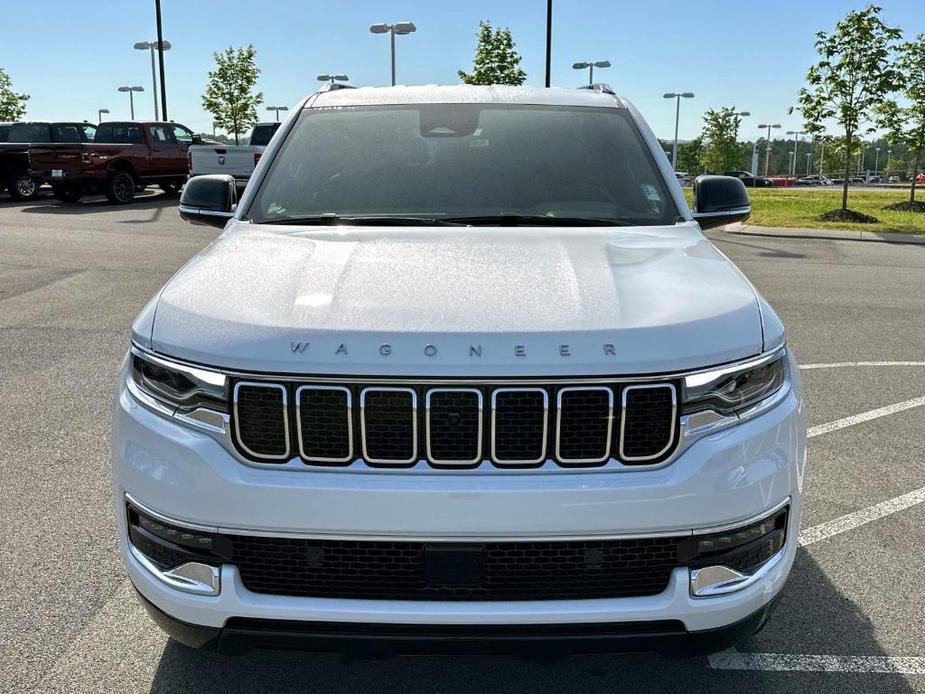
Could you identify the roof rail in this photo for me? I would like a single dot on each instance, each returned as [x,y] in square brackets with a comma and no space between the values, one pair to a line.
[602,87]
[334,86]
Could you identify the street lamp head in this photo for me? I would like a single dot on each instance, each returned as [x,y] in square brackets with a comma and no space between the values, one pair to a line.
[380,28]
[669,95]
[743,113]
[333,78]
[602,63]
[404,28]
[104,110]
[581,66]
[687,95]
[145,45]
[131,89]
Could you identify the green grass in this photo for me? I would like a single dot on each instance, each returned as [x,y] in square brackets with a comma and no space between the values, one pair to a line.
[802,207]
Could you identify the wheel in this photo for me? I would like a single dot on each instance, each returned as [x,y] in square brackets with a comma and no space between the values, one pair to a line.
[67,192]
[120,187]
[23,186]
[171,187]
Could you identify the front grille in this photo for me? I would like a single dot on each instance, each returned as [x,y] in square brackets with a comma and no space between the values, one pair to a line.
[456,425]
[495,571]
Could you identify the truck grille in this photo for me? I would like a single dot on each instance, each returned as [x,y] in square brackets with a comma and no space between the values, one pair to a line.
[455,425]
[558,570]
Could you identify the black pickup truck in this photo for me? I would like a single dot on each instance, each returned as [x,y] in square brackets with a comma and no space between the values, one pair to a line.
[15,144]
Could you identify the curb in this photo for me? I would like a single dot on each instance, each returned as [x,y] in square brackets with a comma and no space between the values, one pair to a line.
[824,234]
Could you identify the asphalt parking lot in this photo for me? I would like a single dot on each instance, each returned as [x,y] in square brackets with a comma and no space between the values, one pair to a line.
[72,278]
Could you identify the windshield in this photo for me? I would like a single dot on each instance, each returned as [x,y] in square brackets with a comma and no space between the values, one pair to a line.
[461,161]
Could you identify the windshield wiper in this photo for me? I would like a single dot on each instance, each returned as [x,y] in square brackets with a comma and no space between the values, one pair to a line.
[513,220]
[332,219]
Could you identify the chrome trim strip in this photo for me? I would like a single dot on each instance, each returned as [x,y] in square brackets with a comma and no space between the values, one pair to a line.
[298,424]
[237,429]
[204,418]
[494,399]
[203,212]
[191,577]
[721,213]
[414,425]
[478,454]
[234,530]
[571,389]
[702,377]
[674,417]
[450,381]
[721,580]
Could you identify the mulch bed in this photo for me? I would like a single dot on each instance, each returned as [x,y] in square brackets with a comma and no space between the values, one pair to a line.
[906,206]
[848,216]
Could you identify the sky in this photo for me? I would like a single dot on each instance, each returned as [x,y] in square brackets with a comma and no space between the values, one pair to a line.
[71,56]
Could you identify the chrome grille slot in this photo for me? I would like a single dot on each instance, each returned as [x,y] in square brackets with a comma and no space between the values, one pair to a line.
[519,420]
[262,419]
[584,424]
[647,422]
[454,426]
[324,422]
[389,427]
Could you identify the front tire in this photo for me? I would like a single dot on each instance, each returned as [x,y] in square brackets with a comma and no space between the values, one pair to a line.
[120,188]
[67,192]
[22,186]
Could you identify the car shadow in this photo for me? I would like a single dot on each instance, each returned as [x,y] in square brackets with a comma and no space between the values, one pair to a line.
[812,618]
[146,200]
[764,251]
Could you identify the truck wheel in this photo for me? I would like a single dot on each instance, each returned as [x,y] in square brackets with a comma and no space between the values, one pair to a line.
[171,187]
[67,192]
[120,187]
[23,186]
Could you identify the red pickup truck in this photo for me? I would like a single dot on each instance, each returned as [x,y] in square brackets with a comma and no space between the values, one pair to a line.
[123,157]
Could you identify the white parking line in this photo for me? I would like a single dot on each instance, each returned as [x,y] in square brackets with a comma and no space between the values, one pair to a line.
[864,417]
[859,518]
[839,364]
[782,662]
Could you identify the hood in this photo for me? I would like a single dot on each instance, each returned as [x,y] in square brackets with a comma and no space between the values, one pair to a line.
[456,301]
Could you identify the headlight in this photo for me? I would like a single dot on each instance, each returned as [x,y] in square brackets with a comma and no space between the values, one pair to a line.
[179,387]
[734,389]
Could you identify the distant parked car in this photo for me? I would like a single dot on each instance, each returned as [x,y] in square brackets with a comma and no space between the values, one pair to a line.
[857,179]
[684,178]
[17,145]
[894,179]
[235,160]
[815,180]
[749,180]
[920,178]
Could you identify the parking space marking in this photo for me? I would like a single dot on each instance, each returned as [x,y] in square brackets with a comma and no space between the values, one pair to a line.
[838,364]
[864,417]
[784,662]
[862,517]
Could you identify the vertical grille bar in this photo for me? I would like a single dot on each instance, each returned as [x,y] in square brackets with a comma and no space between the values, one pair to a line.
[453,423]
[389,425]
[519,425]
[324,423]
[647,421]
[261,419]
[584,424]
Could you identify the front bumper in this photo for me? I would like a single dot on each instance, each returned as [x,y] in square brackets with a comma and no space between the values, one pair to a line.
[721,479]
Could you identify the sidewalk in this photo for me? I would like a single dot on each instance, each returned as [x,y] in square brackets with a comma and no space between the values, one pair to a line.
[802,233]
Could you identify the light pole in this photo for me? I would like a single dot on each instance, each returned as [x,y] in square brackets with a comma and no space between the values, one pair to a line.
[131,97]
[400,29]
[767,156]
[548,41]
[796,148]
[277,109]
[590,65]
[790,159]
[889,155]
[152,46]
[332,78]
[677,114]
[809,165]
[822,157]
[877,161]
[99,114]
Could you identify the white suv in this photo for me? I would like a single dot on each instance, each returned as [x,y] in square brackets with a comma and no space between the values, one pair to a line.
[462,372]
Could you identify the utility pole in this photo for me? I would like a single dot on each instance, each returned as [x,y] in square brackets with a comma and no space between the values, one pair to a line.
[548,42]
[160,57]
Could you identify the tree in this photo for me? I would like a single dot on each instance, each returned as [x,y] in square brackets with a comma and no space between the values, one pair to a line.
[12,105]
[853,76]
[689,156]
[905,125]
[229,96]
[721,133]
[496,61]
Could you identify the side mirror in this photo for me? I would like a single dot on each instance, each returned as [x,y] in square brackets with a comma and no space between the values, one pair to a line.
[209,199]
[720,200]
[197,139]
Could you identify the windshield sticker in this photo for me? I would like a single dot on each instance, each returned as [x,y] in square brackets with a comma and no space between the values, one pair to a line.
[651,192]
